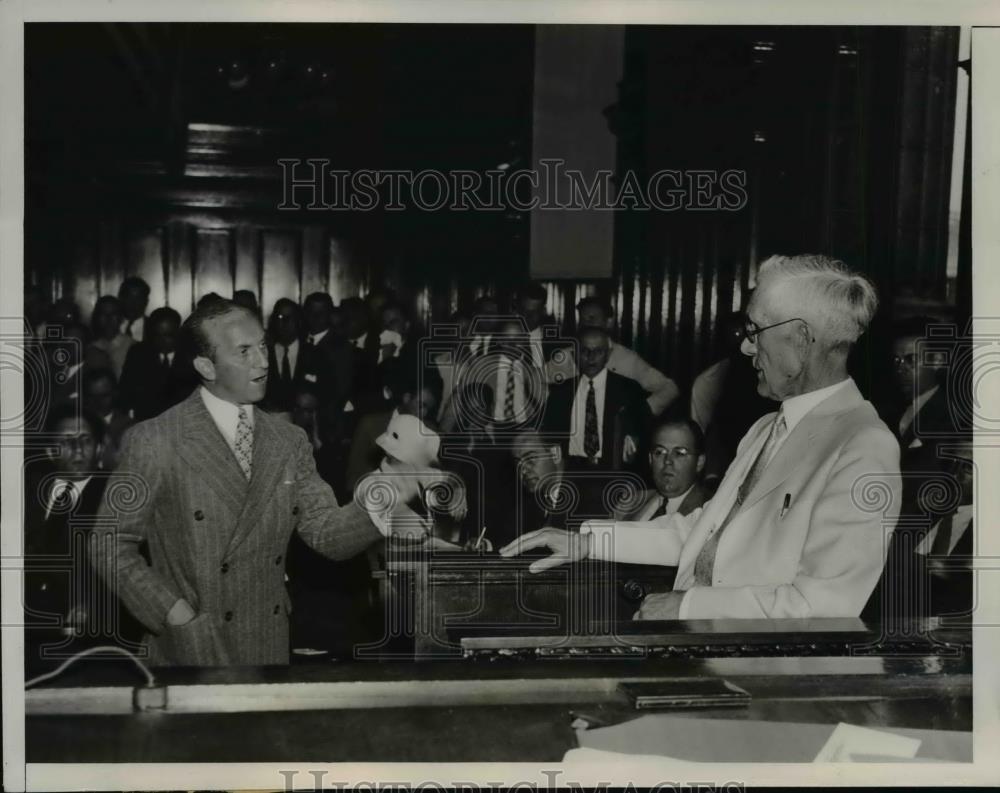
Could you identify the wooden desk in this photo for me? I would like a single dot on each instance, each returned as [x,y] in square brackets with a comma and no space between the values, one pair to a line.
[429,596]
[490,709]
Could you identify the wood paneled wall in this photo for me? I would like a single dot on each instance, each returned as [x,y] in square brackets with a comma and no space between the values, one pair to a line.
[184,257]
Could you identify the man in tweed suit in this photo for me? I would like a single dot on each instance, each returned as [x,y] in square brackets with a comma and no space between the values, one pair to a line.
[221,488]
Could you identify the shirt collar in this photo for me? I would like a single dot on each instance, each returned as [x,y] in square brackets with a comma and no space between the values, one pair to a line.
[293,346]
[924,398]
[795,408]
[318,337]
[225,414]
[599,381]
[675,501]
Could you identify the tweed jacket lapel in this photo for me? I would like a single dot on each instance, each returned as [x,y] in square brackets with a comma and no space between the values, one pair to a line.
[266,469]
[789,456]
[209,456]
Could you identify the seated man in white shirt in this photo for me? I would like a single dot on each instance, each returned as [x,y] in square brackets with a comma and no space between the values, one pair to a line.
[594,312]
[800,524]
[676,460]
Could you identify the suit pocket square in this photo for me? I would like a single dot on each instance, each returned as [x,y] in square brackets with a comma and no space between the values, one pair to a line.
[311,378]
[916,443]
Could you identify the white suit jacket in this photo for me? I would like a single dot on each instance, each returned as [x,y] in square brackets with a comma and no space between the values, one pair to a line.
[819,557]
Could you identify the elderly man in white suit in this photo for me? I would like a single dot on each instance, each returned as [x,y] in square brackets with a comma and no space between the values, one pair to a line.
[788,533]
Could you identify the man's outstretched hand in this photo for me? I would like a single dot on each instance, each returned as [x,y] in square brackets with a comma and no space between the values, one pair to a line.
[565,546]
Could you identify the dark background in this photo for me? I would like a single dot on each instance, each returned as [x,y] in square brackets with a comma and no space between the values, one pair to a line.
[845,134]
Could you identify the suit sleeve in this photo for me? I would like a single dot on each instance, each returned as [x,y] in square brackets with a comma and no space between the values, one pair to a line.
[114,551]
[338,532]
[661,390]
[844,550]
[640,542]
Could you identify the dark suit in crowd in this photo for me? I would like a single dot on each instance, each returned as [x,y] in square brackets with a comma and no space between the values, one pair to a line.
[58,580]
[625,413]
[151,383]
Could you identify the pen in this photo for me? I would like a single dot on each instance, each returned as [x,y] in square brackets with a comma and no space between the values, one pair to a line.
[479,540]
[784,507]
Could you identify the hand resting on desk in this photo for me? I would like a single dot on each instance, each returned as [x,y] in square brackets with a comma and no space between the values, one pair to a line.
[566,547]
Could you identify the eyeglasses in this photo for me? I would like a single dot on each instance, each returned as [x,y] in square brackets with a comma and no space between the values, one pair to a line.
[677,454]
[907,360]
[751,331]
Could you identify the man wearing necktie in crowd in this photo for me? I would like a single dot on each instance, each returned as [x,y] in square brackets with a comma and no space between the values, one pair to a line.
[676,461]
[220,487]
[787,534]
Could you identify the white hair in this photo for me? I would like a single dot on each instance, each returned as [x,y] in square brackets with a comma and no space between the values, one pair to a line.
[838,301]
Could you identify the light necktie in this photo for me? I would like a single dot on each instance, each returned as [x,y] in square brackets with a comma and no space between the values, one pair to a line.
[508,395]
[704,565]
[591,441]
[244,442]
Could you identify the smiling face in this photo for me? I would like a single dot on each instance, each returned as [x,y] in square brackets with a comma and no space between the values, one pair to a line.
[779,353]
[237,370]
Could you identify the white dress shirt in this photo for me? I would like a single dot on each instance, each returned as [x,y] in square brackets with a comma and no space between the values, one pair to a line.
[293,356]
[578,425]
[673,504]
[959,525]
[914,408]
[535,342]
[58,486]
[316,338]
[136,331]
[509,368]
[226,415]
[795,408]
[480,344]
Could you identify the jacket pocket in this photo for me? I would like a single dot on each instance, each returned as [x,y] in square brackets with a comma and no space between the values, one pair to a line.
[195,643]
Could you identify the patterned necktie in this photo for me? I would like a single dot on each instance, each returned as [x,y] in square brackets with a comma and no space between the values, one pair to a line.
[591,441]
[244,442]
[704,565]
[508,395]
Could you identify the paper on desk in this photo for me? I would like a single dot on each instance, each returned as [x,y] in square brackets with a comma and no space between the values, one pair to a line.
[730,740]
[847,740]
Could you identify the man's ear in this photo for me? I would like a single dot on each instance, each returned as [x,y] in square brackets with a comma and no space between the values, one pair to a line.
[700,463]
[204,367]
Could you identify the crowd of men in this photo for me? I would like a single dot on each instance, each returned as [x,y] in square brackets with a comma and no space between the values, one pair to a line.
[561,438]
